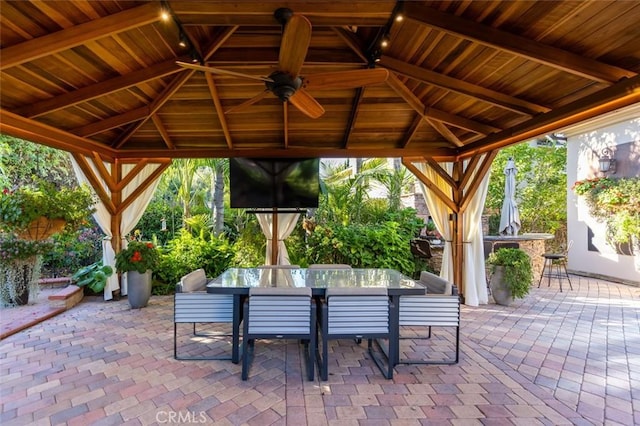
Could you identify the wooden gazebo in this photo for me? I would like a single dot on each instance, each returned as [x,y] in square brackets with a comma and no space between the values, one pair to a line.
[143,82]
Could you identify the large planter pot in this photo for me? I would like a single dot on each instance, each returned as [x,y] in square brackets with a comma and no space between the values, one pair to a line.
[499,290]
[138,289]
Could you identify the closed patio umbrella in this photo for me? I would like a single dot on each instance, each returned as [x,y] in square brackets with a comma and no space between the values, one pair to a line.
[510,217]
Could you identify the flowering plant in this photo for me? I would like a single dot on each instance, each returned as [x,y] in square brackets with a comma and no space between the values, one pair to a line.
[22,206]
[13,249]
[138,256]
[614,201]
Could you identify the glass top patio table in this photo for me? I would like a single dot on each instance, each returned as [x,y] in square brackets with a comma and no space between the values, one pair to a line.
[240,280]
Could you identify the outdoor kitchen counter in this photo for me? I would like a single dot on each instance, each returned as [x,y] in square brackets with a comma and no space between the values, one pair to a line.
[533,244]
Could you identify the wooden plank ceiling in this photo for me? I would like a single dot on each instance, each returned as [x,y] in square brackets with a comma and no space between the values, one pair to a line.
[465,77]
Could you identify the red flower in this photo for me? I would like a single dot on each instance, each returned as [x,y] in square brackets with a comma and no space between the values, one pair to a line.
[137,256]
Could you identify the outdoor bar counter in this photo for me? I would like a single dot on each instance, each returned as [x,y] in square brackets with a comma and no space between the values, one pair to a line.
[533,244]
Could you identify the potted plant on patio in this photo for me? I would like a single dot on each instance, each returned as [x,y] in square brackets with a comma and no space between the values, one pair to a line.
[511,275]
[29,215]
[20,265]
[138,260]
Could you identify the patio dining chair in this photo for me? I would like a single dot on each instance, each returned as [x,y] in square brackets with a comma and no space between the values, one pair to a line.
[192,304]
[439,307]
[355,313]
[279,313]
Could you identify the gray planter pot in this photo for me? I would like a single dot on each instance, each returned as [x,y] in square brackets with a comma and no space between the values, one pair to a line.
[501,294]
[138,289]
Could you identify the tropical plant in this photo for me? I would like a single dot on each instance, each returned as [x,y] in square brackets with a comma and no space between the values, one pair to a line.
[188,252]
[93,277]
[138,256]
[518,274]
[614,201]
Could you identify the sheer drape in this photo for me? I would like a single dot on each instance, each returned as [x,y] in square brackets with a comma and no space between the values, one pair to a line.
[103,218]
[473,274]
[286,225]
[473,271]
[440,214]
[130,216]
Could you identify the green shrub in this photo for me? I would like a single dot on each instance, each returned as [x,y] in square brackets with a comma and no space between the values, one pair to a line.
[517,269]
[362,246]
[186,253]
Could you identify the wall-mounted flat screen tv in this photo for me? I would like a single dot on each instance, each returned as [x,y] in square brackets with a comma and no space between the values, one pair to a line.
[286,183]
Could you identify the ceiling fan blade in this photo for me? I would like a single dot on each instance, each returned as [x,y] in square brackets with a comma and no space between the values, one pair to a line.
[306,104]
[345,79]
[246,103]
[294,45]
[221,71]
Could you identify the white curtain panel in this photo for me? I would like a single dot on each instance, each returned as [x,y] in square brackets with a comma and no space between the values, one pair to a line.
[286,224]
[473,272]
[473,275]
[440,214]
[103,218]
[130,216]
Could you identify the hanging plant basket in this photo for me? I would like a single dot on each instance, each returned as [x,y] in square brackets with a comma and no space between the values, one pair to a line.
[42,228]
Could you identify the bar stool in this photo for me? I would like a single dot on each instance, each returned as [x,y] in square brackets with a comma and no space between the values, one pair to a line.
[555,266]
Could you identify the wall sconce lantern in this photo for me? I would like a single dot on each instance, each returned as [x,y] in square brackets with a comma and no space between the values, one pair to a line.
[607,162]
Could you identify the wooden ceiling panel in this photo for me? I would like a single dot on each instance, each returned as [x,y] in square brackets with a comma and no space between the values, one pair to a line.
[487,74]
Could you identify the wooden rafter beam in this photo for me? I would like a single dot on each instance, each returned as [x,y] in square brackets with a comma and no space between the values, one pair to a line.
[476,172]
[99,89]
[352,40]
[353,114]
[79,34]
[427,112]
[411,132]
[620,95]
[440,171]
[515,44]
[163,131]
[453,84]
[359,13]
[444,131]
[219,111]
[174,86]
[162,166]
[95,182]
[31,130]
[441,154]
[112,122]
[445,198]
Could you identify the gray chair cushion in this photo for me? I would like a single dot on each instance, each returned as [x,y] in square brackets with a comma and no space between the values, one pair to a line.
[280,291]
[435,284]
[193,281]
[356,291]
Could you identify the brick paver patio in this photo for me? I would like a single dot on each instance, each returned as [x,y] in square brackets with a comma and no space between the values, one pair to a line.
[550,359]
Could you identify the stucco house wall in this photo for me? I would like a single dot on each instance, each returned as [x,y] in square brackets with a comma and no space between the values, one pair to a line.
[620,132]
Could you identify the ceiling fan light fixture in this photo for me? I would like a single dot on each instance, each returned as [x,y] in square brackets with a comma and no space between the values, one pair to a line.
[283,85]
[184,41]
[384,41]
